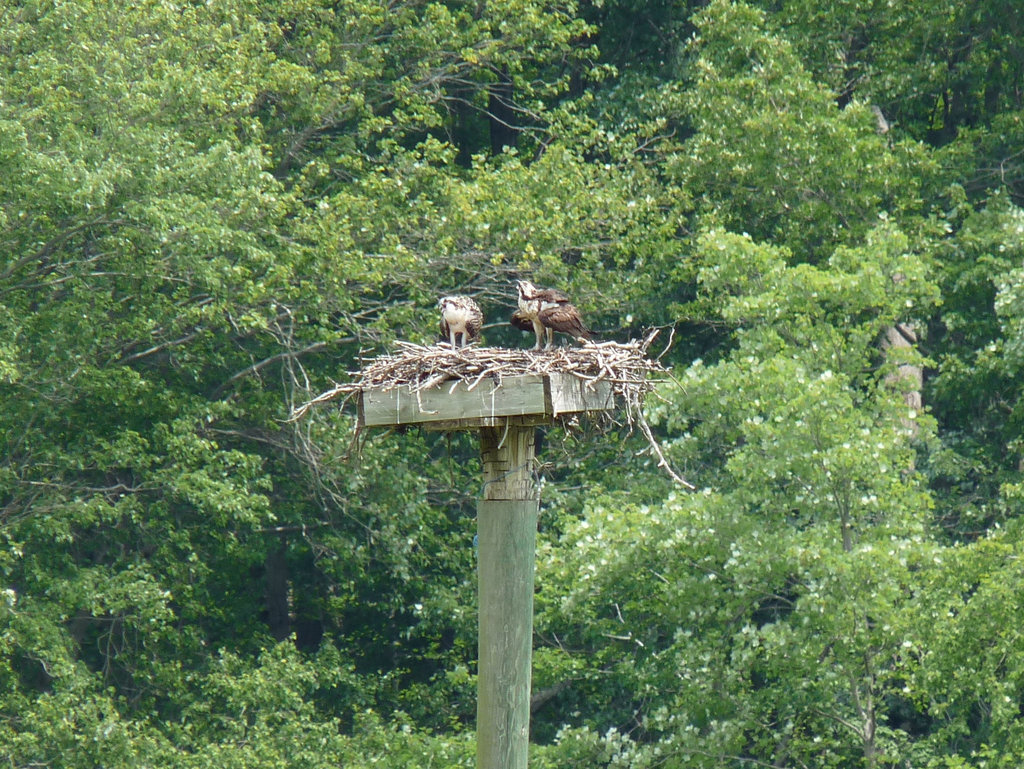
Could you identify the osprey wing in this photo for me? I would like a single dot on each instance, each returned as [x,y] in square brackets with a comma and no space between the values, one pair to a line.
[565,319]
[474,319]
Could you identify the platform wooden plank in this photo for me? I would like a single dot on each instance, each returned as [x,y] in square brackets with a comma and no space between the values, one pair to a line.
[570,394]
[453,400]
[452,405]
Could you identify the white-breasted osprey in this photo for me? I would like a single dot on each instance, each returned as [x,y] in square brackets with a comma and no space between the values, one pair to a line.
[460,318]
[547,310]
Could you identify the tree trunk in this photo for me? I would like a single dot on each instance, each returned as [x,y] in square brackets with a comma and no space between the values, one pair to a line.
[501,113]
[907,377]
[276,569]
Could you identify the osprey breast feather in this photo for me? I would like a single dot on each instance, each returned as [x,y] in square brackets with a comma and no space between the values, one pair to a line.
[461,320]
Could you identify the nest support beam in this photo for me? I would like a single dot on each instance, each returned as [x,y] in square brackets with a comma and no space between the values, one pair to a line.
[507,531]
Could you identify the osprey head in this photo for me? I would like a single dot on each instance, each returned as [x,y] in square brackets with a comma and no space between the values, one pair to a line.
[526,289]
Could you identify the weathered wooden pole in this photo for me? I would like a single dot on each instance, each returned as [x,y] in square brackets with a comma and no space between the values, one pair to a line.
[506,412]
[507,532]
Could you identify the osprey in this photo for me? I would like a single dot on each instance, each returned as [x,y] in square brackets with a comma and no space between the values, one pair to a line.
[520,320]
[547,310]
[460,317]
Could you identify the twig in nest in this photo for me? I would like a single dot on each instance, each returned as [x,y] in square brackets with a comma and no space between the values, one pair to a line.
[662,462]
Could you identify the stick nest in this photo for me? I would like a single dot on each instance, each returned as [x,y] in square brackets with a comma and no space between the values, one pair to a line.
[626,367]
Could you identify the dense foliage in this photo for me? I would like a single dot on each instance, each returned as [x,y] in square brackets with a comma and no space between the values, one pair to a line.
[211,211]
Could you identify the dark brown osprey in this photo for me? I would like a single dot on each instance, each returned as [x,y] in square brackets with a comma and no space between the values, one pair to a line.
[521,321]
[460,318]
[547,310]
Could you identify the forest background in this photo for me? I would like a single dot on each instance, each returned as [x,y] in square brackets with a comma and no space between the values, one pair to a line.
[210,211]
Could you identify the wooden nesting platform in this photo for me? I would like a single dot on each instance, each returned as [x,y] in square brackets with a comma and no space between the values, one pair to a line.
[442,388]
